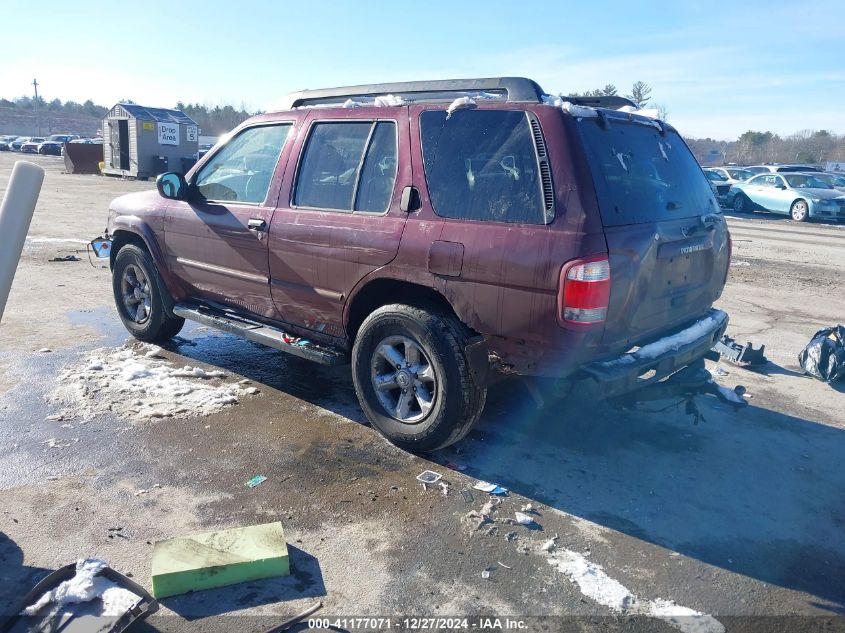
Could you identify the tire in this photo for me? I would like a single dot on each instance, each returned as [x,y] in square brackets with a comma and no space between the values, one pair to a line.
[442,376]
[799,211]
[742,204]
[140,296]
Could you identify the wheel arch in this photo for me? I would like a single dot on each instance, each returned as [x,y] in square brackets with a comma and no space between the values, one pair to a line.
[132,230]
[384,291]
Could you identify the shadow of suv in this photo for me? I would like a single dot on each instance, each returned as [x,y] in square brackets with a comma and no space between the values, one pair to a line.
[435,234]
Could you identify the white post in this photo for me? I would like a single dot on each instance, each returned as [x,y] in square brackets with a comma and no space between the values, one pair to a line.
[15,217]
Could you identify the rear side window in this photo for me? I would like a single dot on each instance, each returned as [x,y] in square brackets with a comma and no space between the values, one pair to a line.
[348,166]
[482,165]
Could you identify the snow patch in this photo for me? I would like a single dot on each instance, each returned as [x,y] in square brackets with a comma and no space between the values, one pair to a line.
[579,111]
[594,583]
[388,100]
[134,382]
[349,103]
[85,586]
[461,103]
[729,394]
[693,333]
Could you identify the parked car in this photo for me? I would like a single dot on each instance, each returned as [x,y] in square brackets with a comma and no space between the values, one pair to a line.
[777,169]
[6,143]
[62,138]
[837,181]
[719,184]
[802,196]
[31,146]
[437,244]
[52,148]
[18,142]
[732,174]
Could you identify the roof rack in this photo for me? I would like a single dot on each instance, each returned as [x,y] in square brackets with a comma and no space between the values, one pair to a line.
[610,102]
[519,89]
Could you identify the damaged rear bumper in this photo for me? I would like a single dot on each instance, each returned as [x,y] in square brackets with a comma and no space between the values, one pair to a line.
[657,361]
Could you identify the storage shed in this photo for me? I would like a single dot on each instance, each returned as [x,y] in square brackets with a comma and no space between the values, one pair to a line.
[141,142]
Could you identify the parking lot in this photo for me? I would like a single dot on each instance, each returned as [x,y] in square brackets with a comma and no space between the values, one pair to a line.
[740,515]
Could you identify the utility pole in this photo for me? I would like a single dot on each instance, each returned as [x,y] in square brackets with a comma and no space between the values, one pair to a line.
[37,122]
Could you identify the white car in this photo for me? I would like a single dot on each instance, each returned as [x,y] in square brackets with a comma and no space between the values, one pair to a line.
[733,175]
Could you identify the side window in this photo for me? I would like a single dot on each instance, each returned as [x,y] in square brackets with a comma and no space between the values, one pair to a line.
[345,163]
[241,171]
[482,165]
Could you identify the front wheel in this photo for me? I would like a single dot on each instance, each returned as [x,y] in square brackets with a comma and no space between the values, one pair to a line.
[413,378]
[799,211]
[741,203]
[139,296]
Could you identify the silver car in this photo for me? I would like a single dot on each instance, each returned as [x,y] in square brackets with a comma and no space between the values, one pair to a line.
[801,196]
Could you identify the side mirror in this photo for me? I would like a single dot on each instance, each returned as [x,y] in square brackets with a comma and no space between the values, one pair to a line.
[781,186]
[172,186]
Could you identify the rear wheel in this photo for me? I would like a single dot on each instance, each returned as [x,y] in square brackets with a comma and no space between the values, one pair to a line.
[799,211]
[413,379]
[139,295]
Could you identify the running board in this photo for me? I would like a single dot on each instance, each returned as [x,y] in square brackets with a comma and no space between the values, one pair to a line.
[260,333]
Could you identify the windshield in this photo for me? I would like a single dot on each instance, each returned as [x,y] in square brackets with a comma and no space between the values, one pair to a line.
[803,181]
[643,176]
[714,175]
[833,180]
[740,174]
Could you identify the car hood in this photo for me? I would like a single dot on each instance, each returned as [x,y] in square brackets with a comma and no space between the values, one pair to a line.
[140,203]
[824,194]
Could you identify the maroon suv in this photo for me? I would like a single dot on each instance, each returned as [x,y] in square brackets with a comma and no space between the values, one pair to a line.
[434,234]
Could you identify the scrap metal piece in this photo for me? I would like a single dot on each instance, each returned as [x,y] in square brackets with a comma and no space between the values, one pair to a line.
[741,355]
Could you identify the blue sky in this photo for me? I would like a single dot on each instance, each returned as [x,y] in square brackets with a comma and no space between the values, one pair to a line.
[720,68]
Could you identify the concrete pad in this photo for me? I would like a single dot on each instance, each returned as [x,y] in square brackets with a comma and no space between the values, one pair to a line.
[219,558]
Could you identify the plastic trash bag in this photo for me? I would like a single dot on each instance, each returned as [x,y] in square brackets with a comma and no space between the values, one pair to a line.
[824,356]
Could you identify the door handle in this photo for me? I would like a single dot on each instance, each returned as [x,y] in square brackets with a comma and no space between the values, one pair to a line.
[257,224]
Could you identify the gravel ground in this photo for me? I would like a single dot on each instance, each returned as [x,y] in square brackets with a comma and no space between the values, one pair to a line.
[739,516]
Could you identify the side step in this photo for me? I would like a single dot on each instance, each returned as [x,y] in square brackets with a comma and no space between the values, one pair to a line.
[260,333]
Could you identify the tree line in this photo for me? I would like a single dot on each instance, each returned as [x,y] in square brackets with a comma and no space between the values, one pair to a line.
[806,146]
[212,121]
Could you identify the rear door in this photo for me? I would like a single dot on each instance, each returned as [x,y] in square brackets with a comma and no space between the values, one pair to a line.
[216,241]
[338,216]
[666,238]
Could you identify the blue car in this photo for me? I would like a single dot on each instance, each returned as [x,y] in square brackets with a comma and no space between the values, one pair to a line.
[801,196]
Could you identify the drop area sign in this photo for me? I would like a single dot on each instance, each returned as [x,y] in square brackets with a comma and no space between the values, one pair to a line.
[168,134]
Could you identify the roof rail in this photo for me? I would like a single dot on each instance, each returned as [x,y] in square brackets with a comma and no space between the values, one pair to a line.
[610,102]
[510,88]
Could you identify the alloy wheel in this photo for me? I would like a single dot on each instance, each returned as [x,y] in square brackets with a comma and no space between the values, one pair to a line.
[403,379]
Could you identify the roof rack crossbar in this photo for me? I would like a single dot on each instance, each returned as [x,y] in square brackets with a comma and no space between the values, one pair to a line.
[514,88]
[609,102]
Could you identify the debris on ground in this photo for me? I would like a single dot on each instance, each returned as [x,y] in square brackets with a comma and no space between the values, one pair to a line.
[524,519]
[255,481]
[490,506]
[444,486]
[485,574]
[493,489]
[502,564]
[550,545]
[476,519]
[511,536]
[219,558]
[85,586]
[528,508]
[740,355]
[720,371]
[45,350]
[65,258]
[429,477]
[824,356]
[458,467]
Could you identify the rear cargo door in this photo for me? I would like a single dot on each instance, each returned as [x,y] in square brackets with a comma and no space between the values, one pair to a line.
[667,240]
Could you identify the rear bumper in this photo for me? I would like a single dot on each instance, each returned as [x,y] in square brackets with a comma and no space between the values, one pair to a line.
[660,359]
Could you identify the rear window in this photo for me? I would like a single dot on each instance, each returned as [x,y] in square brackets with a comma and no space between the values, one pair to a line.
[482,165]
[643,176]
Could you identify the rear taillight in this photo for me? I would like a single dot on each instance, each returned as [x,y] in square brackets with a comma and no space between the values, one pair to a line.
[584,291]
